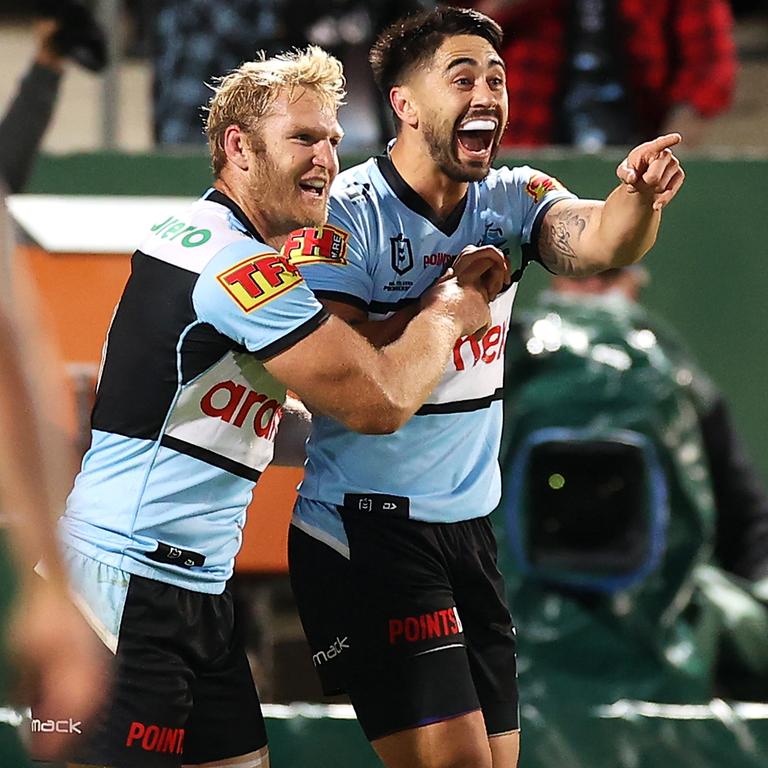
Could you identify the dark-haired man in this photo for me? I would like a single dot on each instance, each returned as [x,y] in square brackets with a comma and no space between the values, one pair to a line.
[392,555]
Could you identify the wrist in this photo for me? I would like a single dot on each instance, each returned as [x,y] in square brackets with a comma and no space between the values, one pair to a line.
[47,59]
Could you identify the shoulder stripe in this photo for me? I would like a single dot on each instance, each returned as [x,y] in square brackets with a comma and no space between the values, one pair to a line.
[462,406]
[209,457]
[295,336]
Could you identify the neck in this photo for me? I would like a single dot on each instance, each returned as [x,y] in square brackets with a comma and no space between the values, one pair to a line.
[250,207]
[414,163]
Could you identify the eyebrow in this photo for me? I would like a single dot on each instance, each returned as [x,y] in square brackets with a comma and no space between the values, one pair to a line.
[313,130]
[462,60]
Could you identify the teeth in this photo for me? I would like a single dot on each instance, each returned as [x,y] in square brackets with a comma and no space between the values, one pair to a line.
[315,183]
[479,125]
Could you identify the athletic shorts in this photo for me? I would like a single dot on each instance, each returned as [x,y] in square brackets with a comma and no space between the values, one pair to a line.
[181,689]
[414,626]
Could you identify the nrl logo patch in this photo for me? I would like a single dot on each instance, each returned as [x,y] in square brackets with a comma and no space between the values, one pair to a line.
[401,253]
[540,184]
[259,279]
[317,245]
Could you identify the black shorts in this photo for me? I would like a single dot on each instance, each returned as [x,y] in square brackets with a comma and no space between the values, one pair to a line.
[182,690]
[414,626]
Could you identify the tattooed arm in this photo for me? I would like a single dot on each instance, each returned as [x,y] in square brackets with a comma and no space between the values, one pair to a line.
[579,237]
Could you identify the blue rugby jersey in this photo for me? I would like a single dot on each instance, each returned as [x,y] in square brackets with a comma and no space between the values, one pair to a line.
[442,466]
[186,414]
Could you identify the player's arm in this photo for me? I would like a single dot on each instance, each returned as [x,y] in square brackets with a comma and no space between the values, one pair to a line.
[485,264]
[579,237]
[293,433]
[56,655]
[339,373]
[378,332]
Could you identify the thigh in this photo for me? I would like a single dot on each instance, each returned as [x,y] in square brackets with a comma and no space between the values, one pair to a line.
[226,724]
[490,634]
[407,643]
[461,741]
[143,723]
[505,750]
[320,580]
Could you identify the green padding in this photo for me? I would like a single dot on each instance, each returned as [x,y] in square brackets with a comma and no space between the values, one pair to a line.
[11,753]
[644,735]
[625,735]
[6,597]
[316,741]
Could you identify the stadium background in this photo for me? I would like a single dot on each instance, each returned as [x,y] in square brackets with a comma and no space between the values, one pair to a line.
[708,279]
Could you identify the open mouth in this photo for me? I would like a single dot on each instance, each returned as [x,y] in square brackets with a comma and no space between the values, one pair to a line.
[314,187]
[476,135]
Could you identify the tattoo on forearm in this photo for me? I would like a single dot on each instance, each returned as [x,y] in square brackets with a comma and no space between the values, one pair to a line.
[559,239]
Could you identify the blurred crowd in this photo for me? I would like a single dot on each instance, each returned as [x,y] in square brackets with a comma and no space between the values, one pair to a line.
[582,73]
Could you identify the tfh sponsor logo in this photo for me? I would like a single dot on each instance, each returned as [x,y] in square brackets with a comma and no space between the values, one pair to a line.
[154,738]
[257,280]
[339,645]
[470,352]
[56,726]
[411,629]
[317,245]
[235,403]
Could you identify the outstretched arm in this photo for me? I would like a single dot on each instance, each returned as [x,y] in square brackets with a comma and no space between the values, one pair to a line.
[579,237]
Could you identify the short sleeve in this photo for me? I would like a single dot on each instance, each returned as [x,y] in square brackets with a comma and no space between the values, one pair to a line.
[332,258]
[528,195]
[258,298]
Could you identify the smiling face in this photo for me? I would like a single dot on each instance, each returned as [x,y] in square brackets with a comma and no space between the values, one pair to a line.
[460,100]
[292,162]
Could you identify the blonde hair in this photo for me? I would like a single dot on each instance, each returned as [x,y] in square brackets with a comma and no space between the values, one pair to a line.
[245,95]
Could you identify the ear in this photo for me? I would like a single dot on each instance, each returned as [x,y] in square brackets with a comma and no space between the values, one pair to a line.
[235,146]
[403,105]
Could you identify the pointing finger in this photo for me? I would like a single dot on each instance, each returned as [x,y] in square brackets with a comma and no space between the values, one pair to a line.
[663,142]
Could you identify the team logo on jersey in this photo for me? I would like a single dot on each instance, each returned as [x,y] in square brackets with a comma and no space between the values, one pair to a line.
[540,184]
[317,245]
[402,254]
[259,279]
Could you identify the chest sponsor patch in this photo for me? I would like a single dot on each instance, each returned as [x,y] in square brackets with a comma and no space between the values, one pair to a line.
[259,279]
[317,245]
[539,184]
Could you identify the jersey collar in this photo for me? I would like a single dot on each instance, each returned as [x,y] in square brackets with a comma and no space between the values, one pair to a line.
[216,196]
[412,199]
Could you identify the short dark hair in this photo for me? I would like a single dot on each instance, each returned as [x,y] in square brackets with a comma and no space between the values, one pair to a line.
[411,40]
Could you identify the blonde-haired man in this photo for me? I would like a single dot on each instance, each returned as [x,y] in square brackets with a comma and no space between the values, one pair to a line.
[214,323]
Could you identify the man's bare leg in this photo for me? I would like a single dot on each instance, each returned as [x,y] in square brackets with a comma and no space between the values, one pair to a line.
[505,749]
[460,742]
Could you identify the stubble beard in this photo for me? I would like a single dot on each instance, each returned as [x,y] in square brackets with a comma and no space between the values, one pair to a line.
[442,152]
[276,195]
